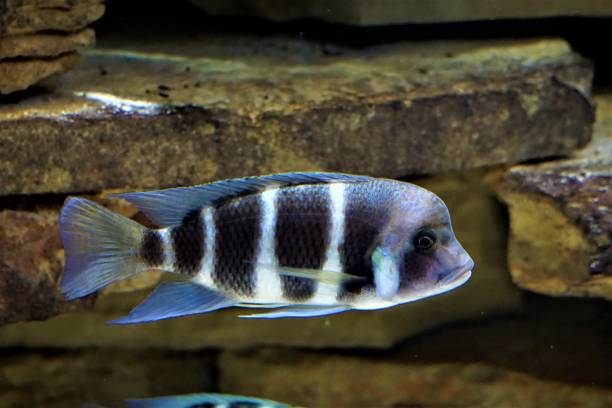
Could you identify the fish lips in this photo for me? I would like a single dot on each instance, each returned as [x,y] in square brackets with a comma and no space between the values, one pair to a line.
[458,275]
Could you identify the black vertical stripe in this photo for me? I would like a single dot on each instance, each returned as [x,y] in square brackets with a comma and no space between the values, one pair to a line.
[302,235]
[237,238]
[151,249]
[365,215]
[188,244]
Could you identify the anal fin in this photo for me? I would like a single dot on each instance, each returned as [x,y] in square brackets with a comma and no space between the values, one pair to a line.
[174,299]
[300,311]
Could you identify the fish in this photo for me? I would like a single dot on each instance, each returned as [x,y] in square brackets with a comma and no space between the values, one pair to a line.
[199,400]
[207,400]
[303,244]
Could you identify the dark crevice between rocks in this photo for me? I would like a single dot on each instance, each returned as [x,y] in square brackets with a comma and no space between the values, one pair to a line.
[35,202]
[540,160]
[20,96]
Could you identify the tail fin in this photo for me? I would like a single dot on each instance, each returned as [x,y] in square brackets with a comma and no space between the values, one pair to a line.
[101,247]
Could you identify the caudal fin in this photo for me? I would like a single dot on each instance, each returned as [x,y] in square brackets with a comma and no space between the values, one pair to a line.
[101,247]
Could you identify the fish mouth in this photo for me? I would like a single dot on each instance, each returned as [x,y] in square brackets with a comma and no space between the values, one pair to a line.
[458,275]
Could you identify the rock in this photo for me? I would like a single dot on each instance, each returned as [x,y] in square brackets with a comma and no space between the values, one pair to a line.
[45,45]
[30,262]
[558,354]
[156,121]
[561,219]
[311,380]
[106,377]
[383,12]
[41,38]
[25,17]
[16,75]
[478,224]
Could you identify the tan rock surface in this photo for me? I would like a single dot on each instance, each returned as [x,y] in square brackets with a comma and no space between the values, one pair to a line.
[16,75]
[561,219]
[310,380]
[175,115]
[45,45]
[25,17]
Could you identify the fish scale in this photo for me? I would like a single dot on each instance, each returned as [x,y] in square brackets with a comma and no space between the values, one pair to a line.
[237,226]
[302,235]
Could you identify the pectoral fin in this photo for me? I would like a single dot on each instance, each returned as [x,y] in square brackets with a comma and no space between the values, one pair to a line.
[386,274]
[299,311]
[325,277]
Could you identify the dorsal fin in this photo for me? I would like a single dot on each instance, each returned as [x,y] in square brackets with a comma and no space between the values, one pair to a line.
[168,207]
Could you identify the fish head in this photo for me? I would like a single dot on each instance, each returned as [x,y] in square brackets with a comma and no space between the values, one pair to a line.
[418,254]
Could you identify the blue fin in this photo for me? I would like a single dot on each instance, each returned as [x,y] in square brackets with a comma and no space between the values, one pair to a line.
[262,305]
[173,299]
[168,207]
[101,247]
[204,400]
[300,311]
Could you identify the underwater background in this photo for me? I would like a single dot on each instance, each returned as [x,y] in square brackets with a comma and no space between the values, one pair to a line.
[503,109]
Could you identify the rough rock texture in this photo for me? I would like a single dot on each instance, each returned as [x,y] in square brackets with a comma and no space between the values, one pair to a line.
[105,377]
[380,12]
[557,355]
[312,380]
[19,74]
[25,16]
[561,219]
[45,45]
[30,261]
[40,38]
[160,120]
[478,224]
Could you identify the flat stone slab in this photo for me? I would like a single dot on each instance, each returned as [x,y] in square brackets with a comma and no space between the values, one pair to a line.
[31,16]
[561,218]
[307,379]
[45,45]
[383,12]
[30,271]
[19,74]
[178,112]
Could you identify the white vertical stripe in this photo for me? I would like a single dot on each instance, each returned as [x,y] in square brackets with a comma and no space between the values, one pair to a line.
[326,293]
[268,286]
[166,239]
[207,266]
[333,261]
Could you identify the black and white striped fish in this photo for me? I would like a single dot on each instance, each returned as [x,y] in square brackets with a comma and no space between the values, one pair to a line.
[305,244]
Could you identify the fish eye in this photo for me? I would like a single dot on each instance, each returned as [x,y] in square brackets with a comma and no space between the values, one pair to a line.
[425,241]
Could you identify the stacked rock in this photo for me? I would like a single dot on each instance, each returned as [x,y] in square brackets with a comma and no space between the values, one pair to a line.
[39,38]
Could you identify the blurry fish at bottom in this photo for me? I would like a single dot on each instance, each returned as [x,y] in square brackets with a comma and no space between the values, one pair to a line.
[202,400]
